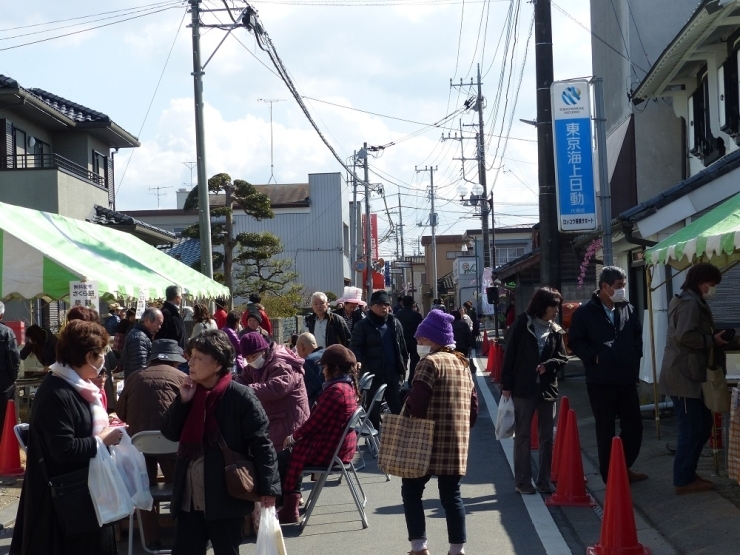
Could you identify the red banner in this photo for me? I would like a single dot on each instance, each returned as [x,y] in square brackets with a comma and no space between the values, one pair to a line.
[373,235]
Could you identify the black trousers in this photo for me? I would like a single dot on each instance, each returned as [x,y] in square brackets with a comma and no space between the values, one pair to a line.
[392,396]
[6,394]
[194,531]
[609,402]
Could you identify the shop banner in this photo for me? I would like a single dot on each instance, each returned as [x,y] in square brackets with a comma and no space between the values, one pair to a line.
[84,293]
[373,235]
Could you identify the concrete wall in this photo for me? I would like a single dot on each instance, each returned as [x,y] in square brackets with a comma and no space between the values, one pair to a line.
[72,146]
[36,189]
[77,198]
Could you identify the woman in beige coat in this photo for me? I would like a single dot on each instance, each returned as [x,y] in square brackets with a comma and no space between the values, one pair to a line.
[691,339]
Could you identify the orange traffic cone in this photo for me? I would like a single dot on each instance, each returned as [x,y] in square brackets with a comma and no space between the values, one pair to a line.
[534,436]
[486,345]
[491,357]
[618,532]
[571,490]
[559,439]
[10,451]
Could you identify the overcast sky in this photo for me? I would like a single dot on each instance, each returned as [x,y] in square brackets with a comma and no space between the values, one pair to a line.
[391,57]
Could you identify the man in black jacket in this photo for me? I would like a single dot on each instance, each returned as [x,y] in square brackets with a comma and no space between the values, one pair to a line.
[378,344]
[138,343]
[10,361]
[410,320]
[328,328]
[173,326]
[606,334]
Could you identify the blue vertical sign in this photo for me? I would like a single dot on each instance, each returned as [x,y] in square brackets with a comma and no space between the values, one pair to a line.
[574,165]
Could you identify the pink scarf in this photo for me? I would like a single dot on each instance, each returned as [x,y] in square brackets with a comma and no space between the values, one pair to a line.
[88,391]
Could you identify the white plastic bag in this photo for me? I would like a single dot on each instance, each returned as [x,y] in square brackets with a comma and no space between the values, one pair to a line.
[505,422]
[110,497]
[132,467]
[270,536]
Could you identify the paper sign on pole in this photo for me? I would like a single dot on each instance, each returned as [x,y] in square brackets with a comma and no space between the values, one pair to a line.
[574,165]
[84,293]
[141,301]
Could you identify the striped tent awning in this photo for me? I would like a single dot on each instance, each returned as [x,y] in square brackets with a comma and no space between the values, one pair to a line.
[40,253]
[715,238]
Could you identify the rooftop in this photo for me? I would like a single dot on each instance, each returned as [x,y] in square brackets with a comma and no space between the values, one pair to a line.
[124,222]
[185,250]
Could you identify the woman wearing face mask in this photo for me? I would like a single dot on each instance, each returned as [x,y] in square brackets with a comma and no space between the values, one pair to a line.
[535,352]
[691,338]
[276,375]
[67,414]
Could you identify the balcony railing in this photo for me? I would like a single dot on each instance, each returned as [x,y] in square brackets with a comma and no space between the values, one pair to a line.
[50,161]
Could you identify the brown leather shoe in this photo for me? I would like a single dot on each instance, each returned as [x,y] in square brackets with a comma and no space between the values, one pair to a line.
[633,476]
[422,552]
[694,487]
[703,479]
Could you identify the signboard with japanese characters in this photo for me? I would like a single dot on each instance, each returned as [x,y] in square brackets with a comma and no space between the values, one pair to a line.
[574,165]
[84,293]
[141,301]
[464,267]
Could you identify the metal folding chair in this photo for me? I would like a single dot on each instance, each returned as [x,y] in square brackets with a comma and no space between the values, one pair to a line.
[151,443]
[364,385]
[336,466]
[21,432]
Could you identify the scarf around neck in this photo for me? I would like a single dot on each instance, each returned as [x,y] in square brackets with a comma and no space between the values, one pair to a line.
[88,391]
[201,426]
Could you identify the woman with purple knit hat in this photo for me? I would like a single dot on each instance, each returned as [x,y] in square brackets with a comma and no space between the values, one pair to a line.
[442,391]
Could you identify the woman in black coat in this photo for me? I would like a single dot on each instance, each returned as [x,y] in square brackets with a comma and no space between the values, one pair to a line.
[464,340]
[67,415]
[210,405]
[534,353]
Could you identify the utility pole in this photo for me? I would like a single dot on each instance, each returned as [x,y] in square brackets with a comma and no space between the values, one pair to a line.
[549,244]
[271,101]
[400,232]
[604,185]
[353,221]
[206,250]
[368,236]
[433,222]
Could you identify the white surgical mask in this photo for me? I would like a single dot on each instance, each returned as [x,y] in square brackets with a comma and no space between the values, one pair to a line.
[710,292]
[99,369]
[618,295]
[423,350]
[258,362]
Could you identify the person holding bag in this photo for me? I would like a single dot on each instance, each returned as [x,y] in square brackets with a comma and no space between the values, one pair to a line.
[67,416]
[211,409]
[442,391]
[535,352]
[692,341]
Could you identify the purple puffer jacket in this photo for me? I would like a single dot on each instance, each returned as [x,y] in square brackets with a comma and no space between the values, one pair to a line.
[280,387]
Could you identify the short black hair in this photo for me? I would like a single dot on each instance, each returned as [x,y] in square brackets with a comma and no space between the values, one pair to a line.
[610,274]
[255,298]
[217,344]
[232,319]
[701,273]
[543,298]
[407,301]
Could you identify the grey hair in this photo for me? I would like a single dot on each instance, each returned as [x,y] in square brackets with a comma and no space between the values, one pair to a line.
[610,274]
[319,295]
[173,291]
[2,308]
[151,314]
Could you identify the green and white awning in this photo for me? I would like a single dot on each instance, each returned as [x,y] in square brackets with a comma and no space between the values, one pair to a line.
[715,238]
[40,253]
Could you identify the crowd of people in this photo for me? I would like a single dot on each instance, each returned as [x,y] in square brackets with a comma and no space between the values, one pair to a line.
[229,385]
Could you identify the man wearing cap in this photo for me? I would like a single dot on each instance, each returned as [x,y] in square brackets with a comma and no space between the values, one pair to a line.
[146,396]
[112,321]
[378,344]
[410,320]
[327,327]
[351,311]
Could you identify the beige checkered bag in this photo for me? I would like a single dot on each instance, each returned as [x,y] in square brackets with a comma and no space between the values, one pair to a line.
[405,445]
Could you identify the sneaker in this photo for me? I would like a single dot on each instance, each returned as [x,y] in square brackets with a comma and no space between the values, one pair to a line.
[526,489]
[544,488]
[703,479]
[694,487]
[633,476]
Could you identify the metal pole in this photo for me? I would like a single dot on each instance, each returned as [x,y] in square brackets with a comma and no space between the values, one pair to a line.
[652,348]
[549,247]
[481,155]
[204,219]
[604,185]
[368,236]
[400,230]
[434,235]
[353,223]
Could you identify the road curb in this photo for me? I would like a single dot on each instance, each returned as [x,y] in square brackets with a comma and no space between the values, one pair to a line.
[7,515]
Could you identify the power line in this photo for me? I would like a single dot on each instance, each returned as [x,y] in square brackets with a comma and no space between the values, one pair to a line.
[632,15]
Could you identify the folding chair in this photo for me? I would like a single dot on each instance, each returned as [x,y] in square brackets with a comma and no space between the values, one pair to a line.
[21,432]
[364,385]
[366,429]
[336,466]
[151,443]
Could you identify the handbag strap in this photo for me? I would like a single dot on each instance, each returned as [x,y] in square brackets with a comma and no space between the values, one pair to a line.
[228,453]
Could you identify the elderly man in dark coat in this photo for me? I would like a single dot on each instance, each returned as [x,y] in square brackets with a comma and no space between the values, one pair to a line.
[378,344]
[173,327]
[146,396]
[138,342]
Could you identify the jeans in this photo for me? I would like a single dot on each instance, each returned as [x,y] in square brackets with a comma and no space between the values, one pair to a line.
[412,490]
[609,402]
[524,409]
[694,429]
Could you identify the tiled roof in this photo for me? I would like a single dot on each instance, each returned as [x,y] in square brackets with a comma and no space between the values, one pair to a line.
[106,216]
[70,109]
[279,195]
[184,249]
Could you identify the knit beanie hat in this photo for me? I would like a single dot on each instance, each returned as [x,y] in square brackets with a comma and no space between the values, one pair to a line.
[252,342]
[338,355]
[256,315]
[437,327]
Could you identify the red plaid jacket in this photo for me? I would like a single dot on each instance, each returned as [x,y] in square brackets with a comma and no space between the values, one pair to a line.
[318,436]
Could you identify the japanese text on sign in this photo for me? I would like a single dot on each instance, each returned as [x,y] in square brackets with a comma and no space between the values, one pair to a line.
[84,293]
